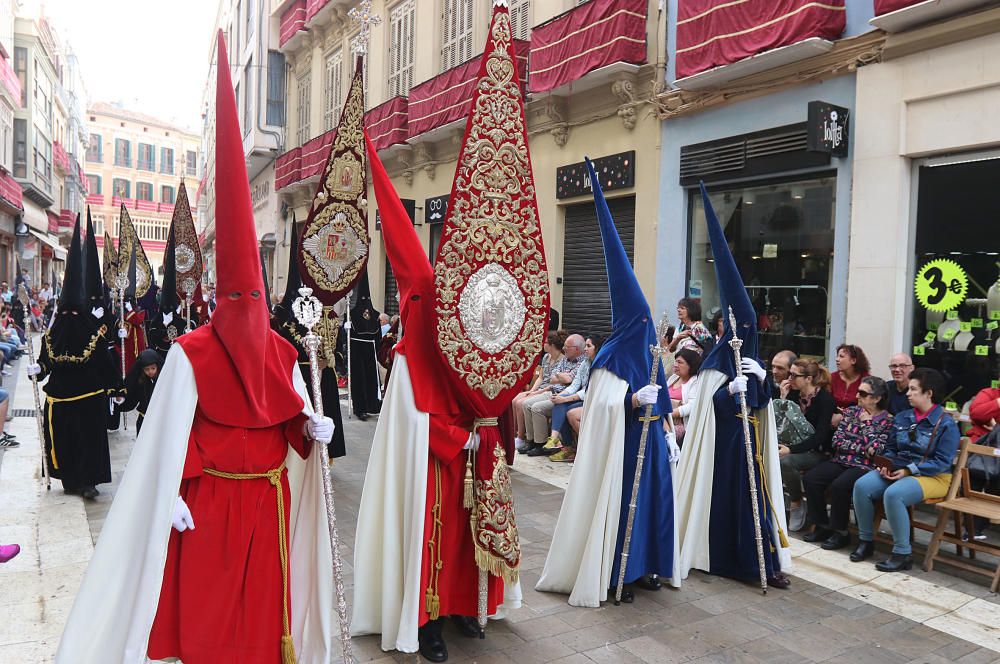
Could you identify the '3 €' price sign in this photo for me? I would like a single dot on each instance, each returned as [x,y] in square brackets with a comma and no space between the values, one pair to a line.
[941,285]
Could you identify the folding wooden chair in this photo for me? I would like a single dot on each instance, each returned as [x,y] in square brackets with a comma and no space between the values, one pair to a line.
[970,503]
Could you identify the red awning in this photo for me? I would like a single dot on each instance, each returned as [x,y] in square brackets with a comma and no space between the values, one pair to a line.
[54,221]
[11,191]
[387,123]
[117,201]
[10,81]
[711,34]
[293,19]
[313,7]
[445,98]
[145,206]
[287,168]
[95,199]
[588,37]
[59,157]
[886,6]
[315,153]
[67,219]
[166,207]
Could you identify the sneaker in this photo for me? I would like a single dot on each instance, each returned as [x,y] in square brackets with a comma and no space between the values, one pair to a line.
[521,445]
[553,443]
[8,441]
[797,518]
[979,536]
[564,455]
[5,372]
[8,551]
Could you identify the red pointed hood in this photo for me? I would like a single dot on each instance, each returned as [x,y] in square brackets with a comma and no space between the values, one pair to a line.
[252,362]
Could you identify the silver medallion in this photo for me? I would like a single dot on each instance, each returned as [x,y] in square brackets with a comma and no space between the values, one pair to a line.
[335,247]
[183,258]
[492,308]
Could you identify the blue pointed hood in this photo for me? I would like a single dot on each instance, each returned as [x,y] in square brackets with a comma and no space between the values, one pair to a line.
[626,352]
[732,293]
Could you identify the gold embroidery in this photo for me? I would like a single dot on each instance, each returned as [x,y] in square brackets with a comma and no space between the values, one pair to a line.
[493,221]
[128,241]
[75,359]
[494,531]
[187,251]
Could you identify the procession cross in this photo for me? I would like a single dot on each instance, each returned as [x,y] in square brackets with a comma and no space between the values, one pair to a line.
[362,15]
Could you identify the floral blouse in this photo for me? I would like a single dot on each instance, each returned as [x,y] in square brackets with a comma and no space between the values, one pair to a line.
[855,441]
[699,337]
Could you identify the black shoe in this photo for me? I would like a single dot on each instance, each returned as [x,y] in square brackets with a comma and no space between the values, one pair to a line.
[818,534]
[466,625]
[627,595]
[90,493]
[779,580]
[863,552]
[364,418]
[836,541]
[649,582]
[537,451]
[896,562]
[432,647]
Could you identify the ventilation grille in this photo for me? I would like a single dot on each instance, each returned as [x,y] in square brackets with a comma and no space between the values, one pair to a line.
[771,151]
[22,412]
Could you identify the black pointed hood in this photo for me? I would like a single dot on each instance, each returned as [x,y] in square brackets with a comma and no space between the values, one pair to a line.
[74,291]
[95,280]
[168,294]
[293,281]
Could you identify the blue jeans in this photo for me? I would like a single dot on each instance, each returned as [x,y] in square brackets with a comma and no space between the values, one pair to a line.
[559,413]
[896,497]
[8,350]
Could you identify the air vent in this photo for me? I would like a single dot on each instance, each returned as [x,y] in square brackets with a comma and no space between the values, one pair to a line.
[22,412]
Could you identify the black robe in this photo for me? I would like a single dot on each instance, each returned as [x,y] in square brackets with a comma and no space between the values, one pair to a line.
[293,333]
[161,337]
[139,387]
[365,385]
[81,373]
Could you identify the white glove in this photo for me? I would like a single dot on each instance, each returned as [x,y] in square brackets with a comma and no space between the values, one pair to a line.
[34,369]
[738,385]
[128,306]
[320,429]
[473,443]
[168,318]
[648,395]
[182,518]
[672,449]
[752,368]
[97,312]
[347,325]
[122,333]
[119,400]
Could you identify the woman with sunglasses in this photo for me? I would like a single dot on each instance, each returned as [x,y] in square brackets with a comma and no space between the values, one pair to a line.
[861,435]
[808,385]
[920,448]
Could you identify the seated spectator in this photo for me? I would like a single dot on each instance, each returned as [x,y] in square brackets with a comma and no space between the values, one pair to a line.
[718,327]
[691,333]
[553,348]
[900,366]
[6,440]
[861,434]
[923,442]
[808,385]
[781,364]
[681,386]
[538,410]
[852,366]
[984,414]
[568,400]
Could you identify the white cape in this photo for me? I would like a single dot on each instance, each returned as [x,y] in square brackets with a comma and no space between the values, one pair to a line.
[389,543]
[114,610]
[695,474]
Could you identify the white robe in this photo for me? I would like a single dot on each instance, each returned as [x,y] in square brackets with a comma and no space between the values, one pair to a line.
[114,610]
[695,474]
[582,552]
[389,543]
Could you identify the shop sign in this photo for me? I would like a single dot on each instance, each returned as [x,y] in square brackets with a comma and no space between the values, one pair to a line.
[435,209]
[941,285]
[616,171]
[694,289]
[828,128]
[409,205]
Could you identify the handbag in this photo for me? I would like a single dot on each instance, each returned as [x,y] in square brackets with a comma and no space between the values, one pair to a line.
[979,464]
[793,427]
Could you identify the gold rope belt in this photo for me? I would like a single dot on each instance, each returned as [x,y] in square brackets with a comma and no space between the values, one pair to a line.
[274,477]
[432,600]
[759,455]
[651,418]
[52,435]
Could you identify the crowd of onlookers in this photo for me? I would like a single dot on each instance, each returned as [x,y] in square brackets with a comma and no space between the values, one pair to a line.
[847,438]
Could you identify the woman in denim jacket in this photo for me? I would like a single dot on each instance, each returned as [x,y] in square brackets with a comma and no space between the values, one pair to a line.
[921,447]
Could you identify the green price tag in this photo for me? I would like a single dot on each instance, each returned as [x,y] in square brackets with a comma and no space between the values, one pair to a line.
[918,350]
[982,350]
[950,405]
[933,326]
[995,315]
[952,315]
[995,384]
[965,327]
[941,285]
[930,337]
[992,325]
[948,335]
[977,322]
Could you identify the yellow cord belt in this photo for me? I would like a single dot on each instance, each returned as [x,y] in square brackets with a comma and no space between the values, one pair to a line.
[768,503]
[274,477]
[52,435]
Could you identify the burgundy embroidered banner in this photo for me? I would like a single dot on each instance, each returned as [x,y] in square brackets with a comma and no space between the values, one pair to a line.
[387,123]
[711,34]
[886,6]
[586,38]
[445,98]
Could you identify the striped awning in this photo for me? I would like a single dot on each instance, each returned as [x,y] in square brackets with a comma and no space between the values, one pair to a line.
[712,34]
[387,123]
[11,192]
[293,20]
[287,168]
[886,6]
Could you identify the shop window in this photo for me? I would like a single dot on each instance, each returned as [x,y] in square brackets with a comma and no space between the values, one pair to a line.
[957,209]
[781,236]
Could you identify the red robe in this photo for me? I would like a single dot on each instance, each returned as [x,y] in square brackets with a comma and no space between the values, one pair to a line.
[458,581]
[220,601]
[135,342]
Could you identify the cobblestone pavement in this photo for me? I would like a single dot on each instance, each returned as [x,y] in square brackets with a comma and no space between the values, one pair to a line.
[710,619]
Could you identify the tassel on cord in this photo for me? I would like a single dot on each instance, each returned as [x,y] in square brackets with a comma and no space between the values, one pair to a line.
[432,602]
[467,498]
[288,650]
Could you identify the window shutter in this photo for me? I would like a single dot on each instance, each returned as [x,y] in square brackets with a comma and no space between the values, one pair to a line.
[520,18]
[303,99]
[401,49]
[334,88]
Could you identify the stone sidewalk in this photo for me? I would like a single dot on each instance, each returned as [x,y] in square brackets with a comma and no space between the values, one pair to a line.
[835,616]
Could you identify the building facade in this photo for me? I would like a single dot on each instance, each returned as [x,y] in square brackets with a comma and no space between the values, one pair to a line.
[138,160]
[11,196]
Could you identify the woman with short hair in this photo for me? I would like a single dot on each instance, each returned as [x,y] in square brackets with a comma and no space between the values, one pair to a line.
[691,333]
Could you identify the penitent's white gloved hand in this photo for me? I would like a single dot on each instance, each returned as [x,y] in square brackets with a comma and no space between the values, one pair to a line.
[34,369]
[168,318]
[673,450]
[128,306]
[472,443]
[320,429]
[738,385]
[182,518]
[347,325]
[752,368]
[122,333]
[97,312]
[648,395]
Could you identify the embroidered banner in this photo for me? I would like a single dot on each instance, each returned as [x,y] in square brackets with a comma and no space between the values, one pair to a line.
[187,251]
[586,38]
[129,247]
[711,34]
[110,261]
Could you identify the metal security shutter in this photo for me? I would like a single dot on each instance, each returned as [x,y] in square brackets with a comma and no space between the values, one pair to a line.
[586,304]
